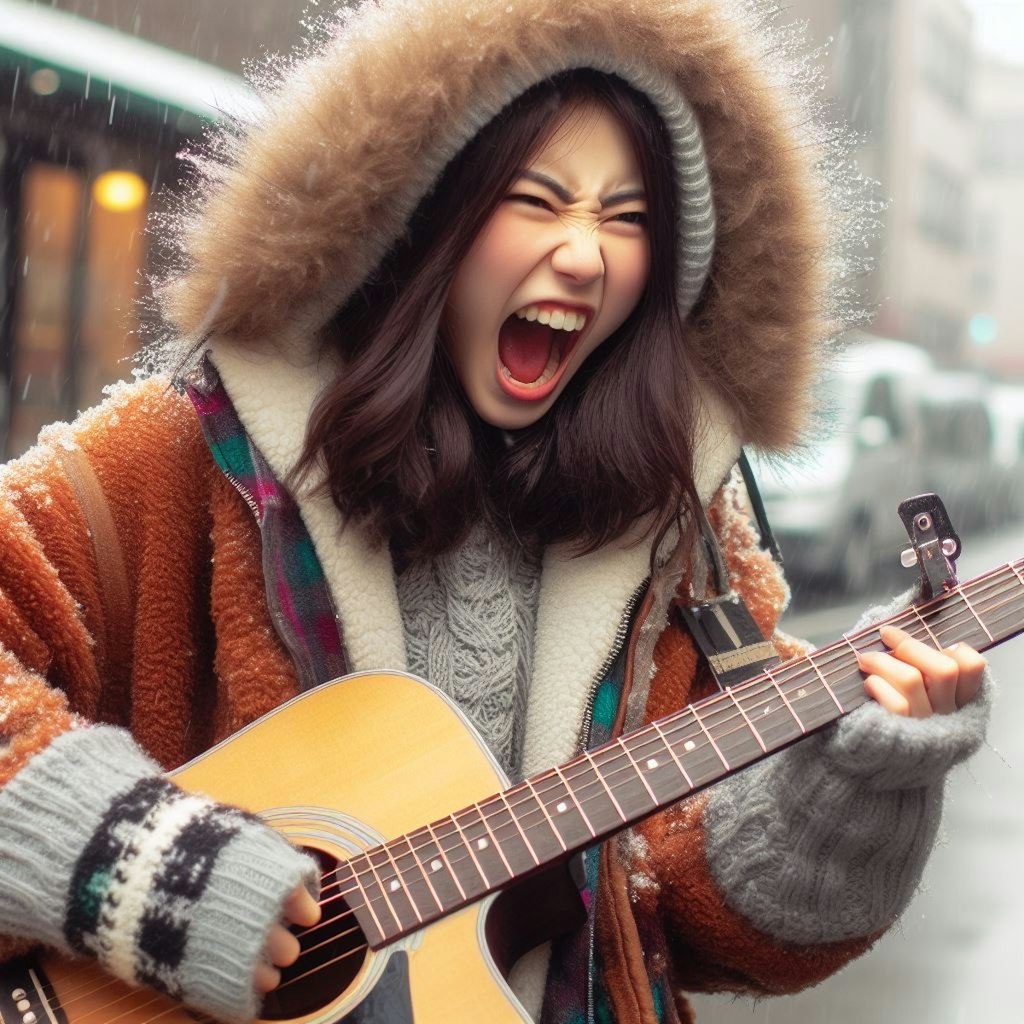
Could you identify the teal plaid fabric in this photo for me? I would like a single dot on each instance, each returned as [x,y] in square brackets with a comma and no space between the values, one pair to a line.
[300,602]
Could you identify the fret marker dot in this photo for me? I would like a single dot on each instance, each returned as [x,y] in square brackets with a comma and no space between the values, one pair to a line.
[767,710]
[435,865]
[395,885]
[482,844]
[652,763]
[689,745]
[561,807]
[801,692]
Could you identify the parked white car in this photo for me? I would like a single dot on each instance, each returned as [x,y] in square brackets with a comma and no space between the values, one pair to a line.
[1006,404]
[833,511]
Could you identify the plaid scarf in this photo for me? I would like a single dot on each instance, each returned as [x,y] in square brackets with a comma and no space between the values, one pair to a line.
[299,599]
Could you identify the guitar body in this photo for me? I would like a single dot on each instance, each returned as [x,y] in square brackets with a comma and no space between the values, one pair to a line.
[338,770]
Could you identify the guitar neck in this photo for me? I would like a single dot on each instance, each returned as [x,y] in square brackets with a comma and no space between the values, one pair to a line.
[454,861]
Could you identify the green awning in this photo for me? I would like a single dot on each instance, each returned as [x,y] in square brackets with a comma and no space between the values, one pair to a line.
[104,65]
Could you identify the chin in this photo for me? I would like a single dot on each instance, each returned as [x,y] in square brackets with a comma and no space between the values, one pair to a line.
[498,412]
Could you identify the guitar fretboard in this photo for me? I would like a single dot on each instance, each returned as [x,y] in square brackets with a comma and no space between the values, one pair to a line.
[421,876]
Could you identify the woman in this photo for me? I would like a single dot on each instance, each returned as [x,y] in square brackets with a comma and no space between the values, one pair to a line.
[441,484]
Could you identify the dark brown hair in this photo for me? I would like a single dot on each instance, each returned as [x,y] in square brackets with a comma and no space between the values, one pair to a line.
[404,452]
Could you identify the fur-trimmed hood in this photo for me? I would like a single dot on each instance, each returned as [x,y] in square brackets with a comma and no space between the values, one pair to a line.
[302,201]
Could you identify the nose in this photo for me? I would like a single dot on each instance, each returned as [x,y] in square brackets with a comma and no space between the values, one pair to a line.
[578,257]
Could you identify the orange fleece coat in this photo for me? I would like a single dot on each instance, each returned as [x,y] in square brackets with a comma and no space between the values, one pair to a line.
[187,655]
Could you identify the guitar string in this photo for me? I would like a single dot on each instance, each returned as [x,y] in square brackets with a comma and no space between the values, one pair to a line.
[909,617]
[723,700]
[912,618]
[950,625]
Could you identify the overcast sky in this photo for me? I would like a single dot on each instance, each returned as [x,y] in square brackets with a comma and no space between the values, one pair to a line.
[1000,25]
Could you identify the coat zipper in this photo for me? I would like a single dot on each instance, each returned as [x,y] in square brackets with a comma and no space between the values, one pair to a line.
[588,719]
[616,649]
[243,491]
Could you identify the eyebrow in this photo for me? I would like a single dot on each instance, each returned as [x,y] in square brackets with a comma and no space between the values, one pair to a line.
[626,195]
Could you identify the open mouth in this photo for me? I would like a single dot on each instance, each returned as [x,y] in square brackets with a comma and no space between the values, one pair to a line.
[533,355]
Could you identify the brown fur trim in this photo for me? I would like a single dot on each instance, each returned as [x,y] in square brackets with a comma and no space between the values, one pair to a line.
[315,193]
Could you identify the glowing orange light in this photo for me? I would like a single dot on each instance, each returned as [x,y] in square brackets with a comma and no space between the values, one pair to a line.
[120,191]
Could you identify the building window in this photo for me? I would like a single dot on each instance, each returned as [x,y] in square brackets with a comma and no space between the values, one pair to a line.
[942,215]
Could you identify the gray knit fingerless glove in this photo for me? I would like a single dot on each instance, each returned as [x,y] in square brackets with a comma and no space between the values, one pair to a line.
[102,856]
[827,840]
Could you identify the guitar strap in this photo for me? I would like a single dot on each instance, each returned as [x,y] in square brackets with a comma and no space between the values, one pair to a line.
[721,625]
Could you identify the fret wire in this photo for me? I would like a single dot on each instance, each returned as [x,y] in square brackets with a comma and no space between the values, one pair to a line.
[1016,572]
[543,807]
[785,700]
[529,845]
[495,842]
[757,735]
[672,753]
[928,629]
[579,806]
[382,887]
[636,768]
[601,779]
[419,866]
[469,846]
[368,903]
[824,682]
[444,856]
[696,715]
[401,880]
[1013,602]
[959,590]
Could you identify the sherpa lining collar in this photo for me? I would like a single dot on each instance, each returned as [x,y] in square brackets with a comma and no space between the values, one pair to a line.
[305,201]
[582,600]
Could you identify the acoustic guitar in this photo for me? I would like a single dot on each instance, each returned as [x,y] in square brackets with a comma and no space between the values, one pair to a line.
[422,921]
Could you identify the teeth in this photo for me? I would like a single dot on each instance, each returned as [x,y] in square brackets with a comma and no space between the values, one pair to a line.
[559,319]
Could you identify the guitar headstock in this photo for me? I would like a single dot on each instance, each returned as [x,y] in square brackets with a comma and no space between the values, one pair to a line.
[934,544]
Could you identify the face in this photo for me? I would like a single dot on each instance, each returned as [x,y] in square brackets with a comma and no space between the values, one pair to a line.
[558,267]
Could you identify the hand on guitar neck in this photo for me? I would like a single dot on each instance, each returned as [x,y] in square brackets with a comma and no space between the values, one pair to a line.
[917,680]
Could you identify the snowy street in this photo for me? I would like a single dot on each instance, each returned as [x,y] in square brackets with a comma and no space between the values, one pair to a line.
[958,953]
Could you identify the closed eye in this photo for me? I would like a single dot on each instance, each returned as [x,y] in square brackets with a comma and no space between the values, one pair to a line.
[632,217]
[528,200]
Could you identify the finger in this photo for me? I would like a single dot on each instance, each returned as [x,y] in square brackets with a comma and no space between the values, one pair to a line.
[901,677]
[972,669]
[939,671]
[266,978]
[300,908]
[282,948]
[884,693]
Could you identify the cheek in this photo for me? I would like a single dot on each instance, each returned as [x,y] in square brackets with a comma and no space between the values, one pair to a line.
[631,270]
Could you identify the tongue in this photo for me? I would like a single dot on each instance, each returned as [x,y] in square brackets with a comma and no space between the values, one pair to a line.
[525,348]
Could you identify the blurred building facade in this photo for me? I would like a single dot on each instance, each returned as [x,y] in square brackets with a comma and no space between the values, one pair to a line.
[997,328]
[902,73]
[91,129]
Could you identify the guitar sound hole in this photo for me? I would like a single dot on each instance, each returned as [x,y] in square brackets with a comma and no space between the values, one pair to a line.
[333,953]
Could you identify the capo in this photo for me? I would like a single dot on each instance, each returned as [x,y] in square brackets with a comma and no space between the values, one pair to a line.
[934,544]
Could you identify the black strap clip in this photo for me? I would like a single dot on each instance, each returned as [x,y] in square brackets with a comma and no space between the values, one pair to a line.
[729,638]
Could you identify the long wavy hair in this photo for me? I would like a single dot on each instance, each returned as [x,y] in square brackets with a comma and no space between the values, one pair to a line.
[405,454]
